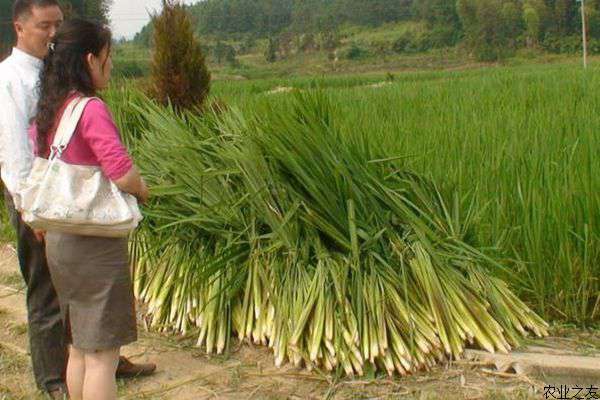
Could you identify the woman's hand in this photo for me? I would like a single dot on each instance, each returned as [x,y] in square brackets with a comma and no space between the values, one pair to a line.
[133,184]
[40,235]
[144,193]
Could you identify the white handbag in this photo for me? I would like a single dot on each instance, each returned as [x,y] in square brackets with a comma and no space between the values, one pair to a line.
[75,199]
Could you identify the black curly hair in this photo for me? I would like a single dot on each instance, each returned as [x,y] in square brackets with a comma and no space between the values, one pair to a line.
[66,71]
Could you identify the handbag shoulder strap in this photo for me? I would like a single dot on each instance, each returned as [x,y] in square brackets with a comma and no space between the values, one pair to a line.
[67,125]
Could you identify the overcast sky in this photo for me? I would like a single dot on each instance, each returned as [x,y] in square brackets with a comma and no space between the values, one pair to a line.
[129,16]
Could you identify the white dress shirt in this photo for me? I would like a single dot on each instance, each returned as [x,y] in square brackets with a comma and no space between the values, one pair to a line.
[19,77]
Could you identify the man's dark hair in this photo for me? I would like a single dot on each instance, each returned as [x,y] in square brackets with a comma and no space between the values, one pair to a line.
[23,7]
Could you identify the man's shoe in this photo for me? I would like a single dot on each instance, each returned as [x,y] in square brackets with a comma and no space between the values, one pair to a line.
[58,394]
[127,369]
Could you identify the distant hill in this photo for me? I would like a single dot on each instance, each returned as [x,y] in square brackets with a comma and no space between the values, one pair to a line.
[492,29]
[262,18]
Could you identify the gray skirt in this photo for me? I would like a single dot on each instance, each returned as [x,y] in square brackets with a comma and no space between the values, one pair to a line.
[93,283]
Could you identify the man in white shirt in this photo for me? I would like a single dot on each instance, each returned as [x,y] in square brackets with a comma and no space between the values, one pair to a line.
[36,22]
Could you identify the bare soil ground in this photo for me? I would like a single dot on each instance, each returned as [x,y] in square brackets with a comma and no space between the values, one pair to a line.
[248,372]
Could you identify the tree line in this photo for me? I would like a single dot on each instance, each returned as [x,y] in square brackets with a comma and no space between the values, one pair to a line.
[490,28]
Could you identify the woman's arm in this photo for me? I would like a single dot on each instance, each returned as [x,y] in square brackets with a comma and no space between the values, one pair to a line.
[133,183]
[103,137]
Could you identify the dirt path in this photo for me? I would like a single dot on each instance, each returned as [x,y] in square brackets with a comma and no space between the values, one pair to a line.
[185,373]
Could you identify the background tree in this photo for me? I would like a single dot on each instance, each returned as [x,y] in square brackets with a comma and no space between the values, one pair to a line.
[534,14]
[307,42]
[179,74]
[271,51]
[285,42]
[490,27]
[330,41]
[592,11]
[225,53]
[144,37]
[95,10]
[566,16]
[441,17]
[7,36]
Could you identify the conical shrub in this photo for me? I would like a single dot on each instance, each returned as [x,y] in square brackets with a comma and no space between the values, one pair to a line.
[179,74]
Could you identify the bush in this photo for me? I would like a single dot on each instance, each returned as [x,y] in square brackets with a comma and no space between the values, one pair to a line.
[355,52]
[380,47]
[402,43]
[271,50]
[129,69]
[412,42]
[179,73]
[594,46]
[442,36]
[247,44]
[557,44]
[307,43]
[225,53]
[569,44]
[329,40]
[489,52]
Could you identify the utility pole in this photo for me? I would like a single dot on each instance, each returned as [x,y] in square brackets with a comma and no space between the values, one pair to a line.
[584,33]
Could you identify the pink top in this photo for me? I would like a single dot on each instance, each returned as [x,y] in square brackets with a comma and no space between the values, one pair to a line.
[96,142]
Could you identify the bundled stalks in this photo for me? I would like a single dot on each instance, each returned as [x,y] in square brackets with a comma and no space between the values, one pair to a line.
[284,231]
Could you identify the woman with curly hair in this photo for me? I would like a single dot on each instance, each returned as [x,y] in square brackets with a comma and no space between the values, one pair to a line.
[91,274]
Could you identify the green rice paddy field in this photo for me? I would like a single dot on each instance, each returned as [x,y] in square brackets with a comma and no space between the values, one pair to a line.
[519,145]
